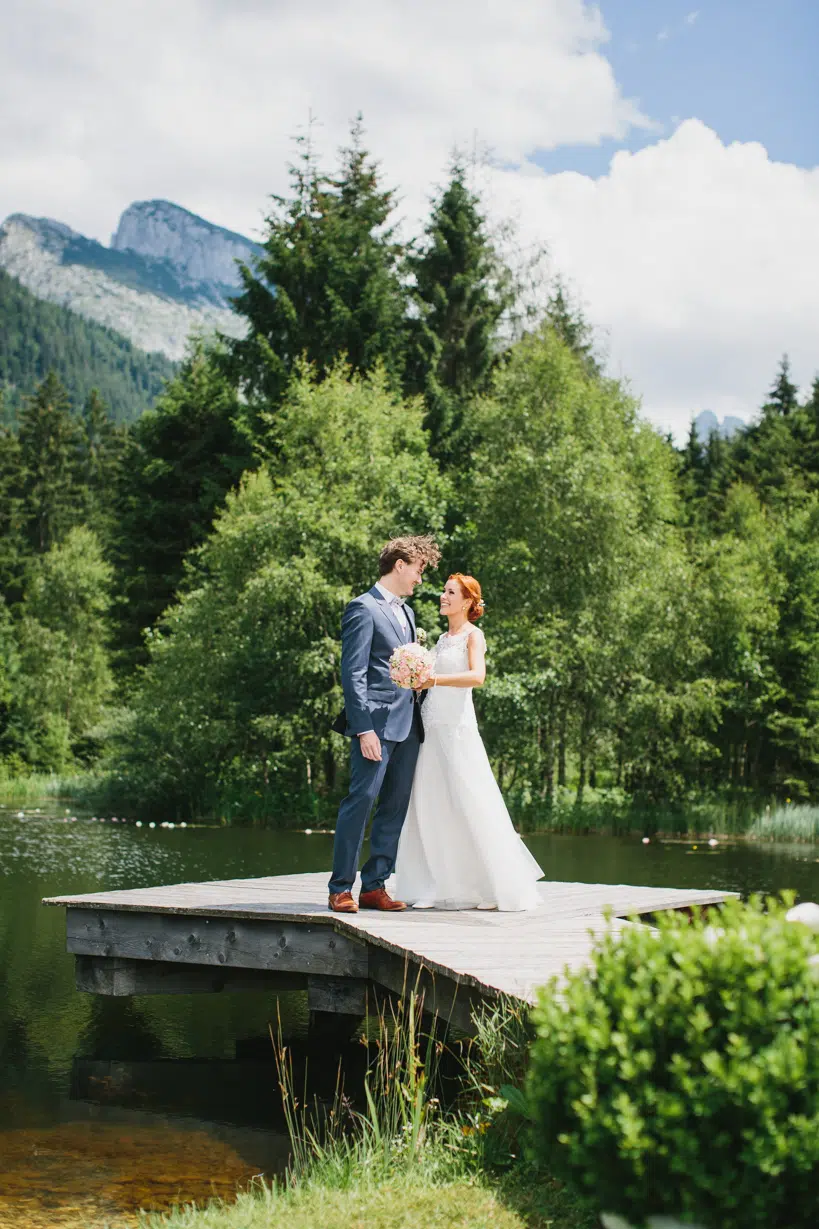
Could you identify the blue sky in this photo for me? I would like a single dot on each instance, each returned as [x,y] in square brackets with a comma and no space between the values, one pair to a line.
[746,68]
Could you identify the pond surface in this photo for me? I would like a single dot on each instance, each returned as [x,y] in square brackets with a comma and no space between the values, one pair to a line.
[108,1105]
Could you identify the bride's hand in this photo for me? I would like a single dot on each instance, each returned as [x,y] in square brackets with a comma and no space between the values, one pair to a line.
[425,686]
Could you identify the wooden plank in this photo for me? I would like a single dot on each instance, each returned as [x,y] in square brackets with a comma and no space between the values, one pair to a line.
[310,891]
[441,996]
[119,977]
[278,946]
[281,925]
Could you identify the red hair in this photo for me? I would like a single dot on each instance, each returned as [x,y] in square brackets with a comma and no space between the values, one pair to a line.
[471,589]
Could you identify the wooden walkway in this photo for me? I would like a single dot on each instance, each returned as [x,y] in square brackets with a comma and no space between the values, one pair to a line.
[277,933]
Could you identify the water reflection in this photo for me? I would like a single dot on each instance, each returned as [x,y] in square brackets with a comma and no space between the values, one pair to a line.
[110,1104]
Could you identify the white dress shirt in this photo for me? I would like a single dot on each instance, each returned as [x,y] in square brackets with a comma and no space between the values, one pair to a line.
[397,604]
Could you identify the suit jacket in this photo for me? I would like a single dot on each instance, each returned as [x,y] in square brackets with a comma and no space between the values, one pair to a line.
[370,633]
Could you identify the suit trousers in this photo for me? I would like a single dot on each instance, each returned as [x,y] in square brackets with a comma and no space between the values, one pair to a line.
[390,781]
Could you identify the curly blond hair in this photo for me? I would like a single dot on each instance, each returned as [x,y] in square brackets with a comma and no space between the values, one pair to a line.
[418,549]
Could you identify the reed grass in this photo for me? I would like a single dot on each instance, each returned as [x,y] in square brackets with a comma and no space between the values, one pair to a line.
[613,812]
[789,822]
[69,787]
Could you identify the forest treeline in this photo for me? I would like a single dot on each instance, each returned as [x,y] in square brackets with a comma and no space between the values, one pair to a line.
[38,337]
[173,591]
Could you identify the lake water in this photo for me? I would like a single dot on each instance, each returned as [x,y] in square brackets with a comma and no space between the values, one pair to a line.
[107,1104]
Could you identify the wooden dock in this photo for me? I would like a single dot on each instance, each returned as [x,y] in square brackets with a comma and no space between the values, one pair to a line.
[277,934]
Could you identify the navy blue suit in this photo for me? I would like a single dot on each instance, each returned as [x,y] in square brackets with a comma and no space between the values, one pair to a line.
[370,632]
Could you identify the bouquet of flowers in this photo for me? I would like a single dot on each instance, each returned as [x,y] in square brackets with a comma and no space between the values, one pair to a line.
[411,665]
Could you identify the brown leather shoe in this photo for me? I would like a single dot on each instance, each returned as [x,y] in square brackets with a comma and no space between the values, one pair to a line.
[379,899]
[342,902]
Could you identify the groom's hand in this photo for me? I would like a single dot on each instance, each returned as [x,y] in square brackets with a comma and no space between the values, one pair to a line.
[370,745]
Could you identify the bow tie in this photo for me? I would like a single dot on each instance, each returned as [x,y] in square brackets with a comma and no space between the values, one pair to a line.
[397,601]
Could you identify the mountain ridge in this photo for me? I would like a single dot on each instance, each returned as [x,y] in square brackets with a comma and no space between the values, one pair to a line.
[167,274]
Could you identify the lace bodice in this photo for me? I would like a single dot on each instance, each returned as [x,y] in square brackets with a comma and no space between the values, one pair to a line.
[451,705]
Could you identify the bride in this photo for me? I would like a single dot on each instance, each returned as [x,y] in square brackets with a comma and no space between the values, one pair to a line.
[458,849]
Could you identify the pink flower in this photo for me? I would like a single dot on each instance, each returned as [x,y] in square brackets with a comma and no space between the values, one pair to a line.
[410,665]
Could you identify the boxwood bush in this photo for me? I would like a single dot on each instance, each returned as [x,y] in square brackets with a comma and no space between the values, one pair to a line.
[679,1074]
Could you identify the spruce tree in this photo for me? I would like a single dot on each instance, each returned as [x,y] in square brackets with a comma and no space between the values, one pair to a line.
[812,404]
[365,298]
[328,284]
[692,470]
[182,458]
[571,326]
[51,483]
[12,541]
[783,398]
[460,292]
[102,448]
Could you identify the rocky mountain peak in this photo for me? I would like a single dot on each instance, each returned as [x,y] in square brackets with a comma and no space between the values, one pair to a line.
[199,250]
[166,275]
[51,236]
[707,424]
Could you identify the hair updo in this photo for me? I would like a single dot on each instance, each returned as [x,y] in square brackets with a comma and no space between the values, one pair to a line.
[472,590]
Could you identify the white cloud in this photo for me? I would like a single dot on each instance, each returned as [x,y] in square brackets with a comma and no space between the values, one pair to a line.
[693,257]
[697,259]
[690,18]
[196,100]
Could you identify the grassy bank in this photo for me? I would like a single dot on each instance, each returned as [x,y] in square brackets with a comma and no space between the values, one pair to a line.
[605,812]
[394,1201]
[413,1152]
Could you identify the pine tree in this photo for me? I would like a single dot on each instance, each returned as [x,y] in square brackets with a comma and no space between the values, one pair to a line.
[461,291]
[328,284]
[692,468]
[51,486]
[812,404]
[366,300]
[182,458]
[103,445]
[571,326]
[12,543]
[784,396]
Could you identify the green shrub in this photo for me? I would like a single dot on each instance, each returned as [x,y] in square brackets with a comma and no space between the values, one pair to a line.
[680,1073]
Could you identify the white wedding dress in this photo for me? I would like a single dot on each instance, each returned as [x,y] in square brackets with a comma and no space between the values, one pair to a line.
[458,848]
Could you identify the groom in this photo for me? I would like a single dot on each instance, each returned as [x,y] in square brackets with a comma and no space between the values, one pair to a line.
[383,724]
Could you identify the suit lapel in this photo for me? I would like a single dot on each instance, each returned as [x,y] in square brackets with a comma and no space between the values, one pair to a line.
[388,611]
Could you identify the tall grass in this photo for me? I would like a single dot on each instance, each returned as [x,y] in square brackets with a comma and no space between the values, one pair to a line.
[419,1146]
[397,1125]
[69,787]
[790,822]
[613,812]
[442,1107]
